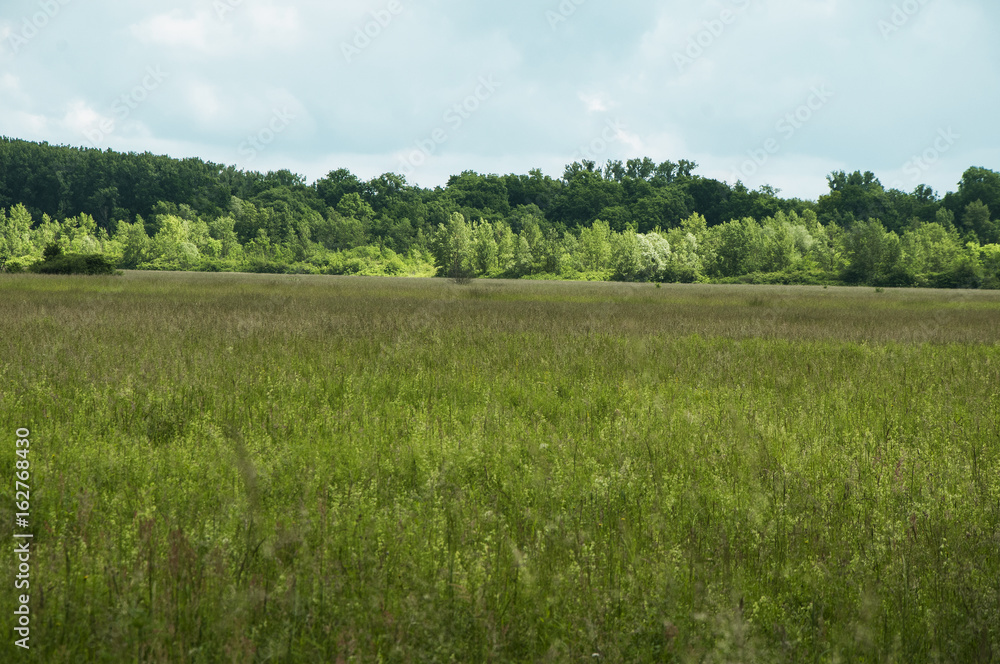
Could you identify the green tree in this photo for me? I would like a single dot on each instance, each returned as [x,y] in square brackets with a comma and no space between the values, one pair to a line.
[873,254]
[223,229]
[626,256]
[989,259]
[595,247]
[134,243]
[976,219]
[171,248]
[483,194]
[854,196]
[336,184]
[929,250]
[739,248]
[977,184]
[485,250]
[654,256]
[524,260]
[15,232]
[507,245]
[452,248]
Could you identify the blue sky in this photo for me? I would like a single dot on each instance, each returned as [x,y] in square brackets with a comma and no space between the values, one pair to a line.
[777,92]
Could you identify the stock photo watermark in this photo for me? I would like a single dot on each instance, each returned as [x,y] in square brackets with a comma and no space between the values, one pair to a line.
[365,34]
[123,107]
[563,12]
[32,26]
[614,131]
[919,164]
[454,118]
[785,128]
[22,535]
[699,43]
[280,120]
[224,7]
[901,15]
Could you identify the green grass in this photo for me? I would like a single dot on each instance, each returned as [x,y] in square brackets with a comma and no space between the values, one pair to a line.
[234,468]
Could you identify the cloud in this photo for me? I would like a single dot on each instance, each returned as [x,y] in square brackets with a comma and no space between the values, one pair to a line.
[80,117]
[275,23]
[230,72]
[204,102]
[173,30]
[594,103]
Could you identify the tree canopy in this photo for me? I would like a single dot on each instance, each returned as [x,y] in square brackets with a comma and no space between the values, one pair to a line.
[637,219]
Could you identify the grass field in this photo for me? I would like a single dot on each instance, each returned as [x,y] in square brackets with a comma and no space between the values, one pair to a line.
[236,468]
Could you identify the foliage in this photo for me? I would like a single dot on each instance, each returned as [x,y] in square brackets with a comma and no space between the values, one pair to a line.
[623,220]
[60,263]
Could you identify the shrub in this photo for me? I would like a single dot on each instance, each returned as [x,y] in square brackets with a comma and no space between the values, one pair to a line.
[17,265]
[262,266]
[60,263]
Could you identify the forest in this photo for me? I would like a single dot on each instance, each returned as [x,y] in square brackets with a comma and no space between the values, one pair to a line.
[636,220]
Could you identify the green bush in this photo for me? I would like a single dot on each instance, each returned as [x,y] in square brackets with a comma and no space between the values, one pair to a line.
[965,274]
[261,266]
[18,265]
[59,263]
[813,277]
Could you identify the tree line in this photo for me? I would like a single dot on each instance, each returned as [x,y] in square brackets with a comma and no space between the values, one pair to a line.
[633,220]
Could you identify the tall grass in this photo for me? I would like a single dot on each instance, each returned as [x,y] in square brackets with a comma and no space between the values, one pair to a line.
[233,468]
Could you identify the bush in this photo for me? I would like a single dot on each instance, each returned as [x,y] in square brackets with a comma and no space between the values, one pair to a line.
[52,252]
[965,274]
[261,266]
[59,263]
[804,277]
[17,265]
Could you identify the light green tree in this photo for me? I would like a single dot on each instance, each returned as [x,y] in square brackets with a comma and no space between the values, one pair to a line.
[595,246]
[930,248]
[223,229]
[452,248]
[654,256]
[873,253]
[485,250]
[134,243]
[626,255]
[171,247]
[506,247]
[15,233]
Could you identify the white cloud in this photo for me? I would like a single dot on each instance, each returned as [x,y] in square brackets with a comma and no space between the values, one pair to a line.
[80,117]
[171,29]
[594,103]
[202,99]
[10,88]
[275,23]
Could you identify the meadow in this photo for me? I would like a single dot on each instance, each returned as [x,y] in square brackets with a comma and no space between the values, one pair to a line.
[257,468]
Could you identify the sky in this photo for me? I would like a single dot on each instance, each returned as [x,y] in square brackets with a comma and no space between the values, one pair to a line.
[768,92]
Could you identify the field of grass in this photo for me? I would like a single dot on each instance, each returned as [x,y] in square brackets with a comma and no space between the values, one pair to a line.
[237,468]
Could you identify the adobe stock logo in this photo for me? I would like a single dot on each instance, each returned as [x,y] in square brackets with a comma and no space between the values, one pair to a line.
[365,34]
[226,7]
[454,117]
[257,143]
[699,43]
[32,25]
[786,128]
[614,131]
[566,9]
[920,164]
[122,107]
[901,15]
